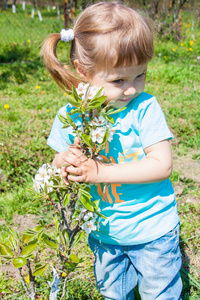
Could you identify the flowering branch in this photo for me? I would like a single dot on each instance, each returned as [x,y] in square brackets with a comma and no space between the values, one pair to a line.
[74,210]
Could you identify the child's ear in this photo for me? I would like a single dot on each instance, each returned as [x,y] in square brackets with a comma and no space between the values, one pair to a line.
[80,70]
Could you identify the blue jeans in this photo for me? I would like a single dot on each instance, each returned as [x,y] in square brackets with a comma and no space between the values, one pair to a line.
[154,266]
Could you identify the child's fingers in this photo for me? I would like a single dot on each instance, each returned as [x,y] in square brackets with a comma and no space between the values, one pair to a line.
[75,174]
[79,154]
[73,160]
[77,178]
[63,172]
[64,175]
[73,170]
[76,141]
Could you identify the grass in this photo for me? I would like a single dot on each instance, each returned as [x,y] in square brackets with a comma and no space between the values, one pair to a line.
[29,100]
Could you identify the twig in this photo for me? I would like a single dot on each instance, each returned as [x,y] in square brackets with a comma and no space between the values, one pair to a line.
[191,238]
[32,280]
[64,288]
[24,285]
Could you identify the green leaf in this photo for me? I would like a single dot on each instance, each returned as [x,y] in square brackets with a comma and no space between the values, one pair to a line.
[78,237]
[28,249]
[64,237]
[13,232]
[40,271]
[87,140]
[41,222]
[105,138]
[28,237]
[71,265]
[109,119]
[12,243]
[45,188]
[66,126]
[74,111]
[62,119]
[96,204]
[71,99]
[74,258]
[101,99]
[86,193]
[5,250]
[115,111]
[100,215]
[86,202]
[70,121]
[97,102]
[50,243]
[98,93]
[74,92]
[66,199]
[56,222]
[39,228]
[19,262]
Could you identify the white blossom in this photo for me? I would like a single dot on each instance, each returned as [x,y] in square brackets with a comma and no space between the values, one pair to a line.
[88,216]
[110,132]
[98,134]
[85,91]
[44,178]
[100,121]
[89,226]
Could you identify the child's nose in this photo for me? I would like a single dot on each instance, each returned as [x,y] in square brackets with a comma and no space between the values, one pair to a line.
[130,91]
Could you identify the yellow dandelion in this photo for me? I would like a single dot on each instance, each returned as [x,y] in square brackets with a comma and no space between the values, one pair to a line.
[42,92]
[187,49]
[48,110]
[37,87]
[173,49]
[157,89]
[64,275]
[182,44]
[199,91]
[6,106]
[191,43]
[27,279]
[190,49]
[28,41]
[165,56]
[65,94]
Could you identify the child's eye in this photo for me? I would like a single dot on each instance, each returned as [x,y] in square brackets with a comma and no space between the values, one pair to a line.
[118,81]
[141,75]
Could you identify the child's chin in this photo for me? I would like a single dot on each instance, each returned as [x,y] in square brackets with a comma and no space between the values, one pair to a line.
[120,104]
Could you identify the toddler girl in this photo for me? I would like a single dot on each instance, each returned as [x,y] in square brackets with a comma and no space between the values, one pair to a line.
[138,242]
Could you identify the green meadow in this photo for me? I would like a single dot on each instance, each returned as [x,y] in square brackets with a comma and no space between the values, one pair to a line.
[29,101]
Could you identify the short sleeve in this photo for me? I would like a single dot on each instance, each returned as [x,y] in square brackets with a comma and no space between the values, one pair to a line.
[153,127]
[60,138]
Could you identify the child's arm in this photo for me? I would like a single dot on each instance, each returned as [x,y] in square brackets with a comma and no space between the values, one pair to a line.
[157,166]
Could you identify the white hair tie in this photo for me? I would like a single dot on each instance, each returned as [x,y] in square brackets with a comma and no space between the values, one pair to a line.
[67,35]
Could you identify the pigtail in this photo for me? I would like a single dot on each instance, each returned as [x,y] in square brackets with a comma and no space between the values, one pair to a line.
[62,74]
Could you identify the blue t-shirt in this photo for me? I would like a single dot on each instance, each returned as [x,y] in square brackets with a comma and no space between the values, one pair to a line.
[136,213]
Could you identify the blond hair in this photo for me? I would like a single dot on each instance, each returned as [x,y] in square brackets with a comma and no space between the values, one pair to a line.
[107,35]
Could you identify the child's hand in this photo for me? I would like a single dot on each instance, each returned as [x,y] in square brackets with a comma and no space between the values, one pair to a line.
[81,168]
[61,160]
